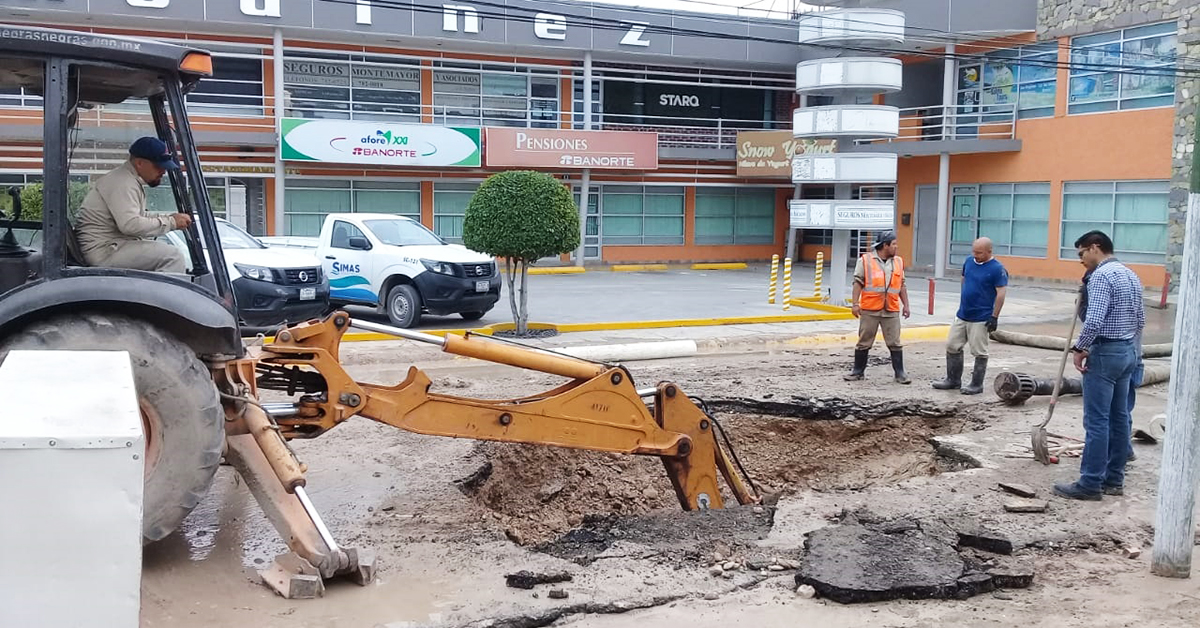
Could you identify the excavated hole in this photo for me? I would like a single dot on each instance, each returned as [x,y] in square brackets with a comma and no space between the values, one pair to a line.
[536,493]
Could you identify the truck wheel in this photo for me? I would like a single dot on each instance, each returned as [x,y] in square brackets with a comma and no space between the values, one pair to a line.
[404,306]
[472,316]
[181,413]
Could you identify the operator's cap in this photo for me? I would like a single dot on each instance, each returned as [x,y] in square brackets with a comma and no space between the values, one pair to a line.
[886,237]
[154,150]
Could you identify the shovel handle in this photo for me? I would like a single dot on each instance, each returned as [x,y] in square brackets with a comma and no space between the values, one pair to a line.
[1062,364]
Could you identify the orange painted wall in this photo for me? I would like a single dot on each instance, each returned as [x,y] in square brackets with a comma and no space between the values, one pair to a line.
[1128,145]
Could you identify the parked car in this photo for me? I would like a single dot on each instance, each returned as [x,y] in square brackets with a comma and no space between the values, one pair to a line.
[398,266]
[272,286]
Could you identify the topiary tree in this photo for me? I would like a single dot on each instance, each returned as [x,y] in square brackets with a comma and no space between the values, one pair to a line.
[521,216]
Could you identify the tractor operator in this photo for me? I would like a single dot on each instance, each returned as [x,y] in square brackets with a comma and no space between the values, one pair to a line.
[113,226]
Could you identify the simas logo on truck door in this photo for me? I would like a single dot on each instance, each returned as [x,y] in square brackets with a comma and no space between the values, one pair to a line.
[340,268]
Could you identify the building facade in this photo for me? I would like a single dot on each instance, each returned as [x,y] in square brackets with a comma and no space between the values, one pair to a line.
[1038,146]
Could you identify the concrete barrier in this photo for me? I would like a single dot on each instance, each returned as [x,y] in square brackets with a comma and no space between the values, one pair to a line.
[71,454]
[632,351]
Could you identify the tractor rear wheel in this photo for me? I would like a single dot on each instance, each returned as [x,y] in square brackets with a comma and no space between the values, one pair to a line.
[181,411]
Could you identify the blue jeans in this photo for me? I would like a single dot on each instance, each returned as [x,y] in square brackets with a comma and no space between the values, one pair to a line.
[1135,380]
[1106,421]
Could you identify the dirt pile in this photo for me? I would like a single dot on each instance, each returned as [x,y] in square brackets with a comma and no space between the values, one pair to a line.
[537,493]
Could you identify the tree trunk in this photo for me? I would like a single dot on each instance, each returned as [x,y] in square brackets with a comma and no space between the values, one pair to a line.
[524,297]
[510,277]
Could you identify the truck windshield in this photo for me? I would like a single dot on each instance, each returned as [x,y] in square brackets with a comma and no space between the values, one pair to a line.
[400,232]
[234,238]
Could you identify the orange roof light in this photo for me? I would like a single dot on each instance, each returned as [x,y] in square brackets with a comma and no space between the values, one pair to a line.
[197,63]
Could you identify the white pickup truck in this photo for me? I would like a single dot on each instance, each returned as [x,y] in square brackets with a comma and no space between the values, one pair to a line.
[398,266]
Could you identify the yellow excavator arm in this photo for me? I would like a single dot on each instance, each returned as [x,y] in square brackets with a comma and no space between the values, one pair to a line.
[598,409]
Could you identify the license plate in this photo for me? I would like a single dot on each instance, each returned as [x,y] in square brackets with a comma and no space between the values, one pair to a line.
[482,286]
[308,294]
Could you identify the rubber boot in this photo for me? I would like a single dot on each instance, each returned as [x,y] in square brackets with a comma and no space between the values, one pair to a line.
[977,375]
[898,367]
[860,366]
[954,369]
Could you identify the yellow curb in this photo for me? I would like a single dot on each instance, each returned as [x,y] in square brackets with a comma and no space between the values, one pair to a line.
[913,334]
[720,266]
[629,268]
[824,307]
[557,270]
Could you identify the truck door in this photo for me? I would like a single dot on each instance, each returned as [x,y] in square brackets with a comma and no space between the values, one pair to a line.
[347,262]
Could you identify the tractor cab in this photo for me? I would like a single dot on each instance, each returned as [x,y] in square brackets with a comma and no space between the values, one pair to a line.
[71,104]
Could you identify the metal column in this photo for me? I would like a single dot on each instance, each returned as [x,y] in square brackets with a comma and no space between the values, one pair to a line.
[585,185]
[838,263]
[943,206]
[280,225]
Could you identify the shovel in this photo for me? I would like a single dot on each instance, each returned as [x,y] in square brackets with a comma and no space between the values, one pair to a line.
[1041,452]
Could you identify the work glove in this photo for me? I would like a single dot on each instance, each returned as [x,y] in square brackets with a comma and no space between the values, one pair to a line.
[993,323]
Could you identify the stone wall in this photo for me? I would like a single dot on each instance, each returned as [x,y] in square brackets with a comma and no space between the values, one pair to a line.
[1064,18]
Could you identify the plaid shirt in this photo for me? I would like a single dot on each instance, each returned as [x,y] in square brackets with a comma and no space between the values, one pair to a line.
[1114,305]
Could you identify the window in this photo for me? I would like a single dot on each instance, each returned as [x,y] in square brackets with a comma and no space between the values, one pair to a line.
[236,88]
[308,201]
[1024,78]
[382,197]
[1132,213]
[397,232]
[1013,215]
[495,96]
[735,216]
[450,202]
[352,87]
[577,102]
[342,232]
[1150,53]
[632,214]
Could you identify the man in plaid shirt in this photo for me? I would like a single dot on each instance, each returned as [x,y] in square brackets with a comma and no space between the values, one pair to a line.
[1106,355]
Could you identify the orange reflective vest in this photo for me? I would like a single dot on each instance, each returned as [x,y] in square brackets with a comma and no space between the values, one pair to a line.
[879,289]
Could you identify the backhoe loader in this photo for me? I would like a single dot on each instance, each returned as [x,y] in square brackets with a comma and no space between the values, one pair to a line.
[198,382]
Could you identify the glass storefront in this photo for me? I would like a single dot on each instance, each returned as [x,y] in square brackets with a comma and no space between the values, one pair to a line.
[354,87]
[308,201]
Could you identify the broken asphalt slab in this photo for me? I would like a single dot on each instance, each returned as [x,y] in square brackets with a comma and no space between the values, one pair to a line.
[857,561]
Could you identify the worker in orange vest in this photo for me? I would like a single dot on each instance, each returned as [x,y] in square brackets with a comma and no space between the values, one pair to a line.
[880,298]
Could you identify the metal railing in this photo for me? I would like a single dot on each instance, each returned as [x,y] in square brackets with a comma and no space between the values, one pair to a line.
[256,114]
[955,122]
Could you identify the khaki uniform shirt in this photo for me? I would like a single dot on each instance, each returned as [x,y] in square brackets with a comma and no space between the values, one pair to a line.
[860,278]
[114,211]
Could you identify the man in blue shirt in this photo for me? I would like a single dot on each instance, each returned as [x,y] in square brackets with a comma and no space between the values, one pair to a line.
[984,285]
[1106,355]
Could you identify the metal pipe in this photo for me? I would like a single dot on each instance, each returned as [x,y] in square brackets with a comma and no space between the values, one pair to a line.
[1016,388]
[316,519]
[398,332]
[647,392]
[281,410]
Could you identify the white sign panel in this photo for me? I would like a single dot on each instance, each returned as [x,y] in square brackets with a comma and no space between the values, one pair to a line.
[848,214]
[379,143]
